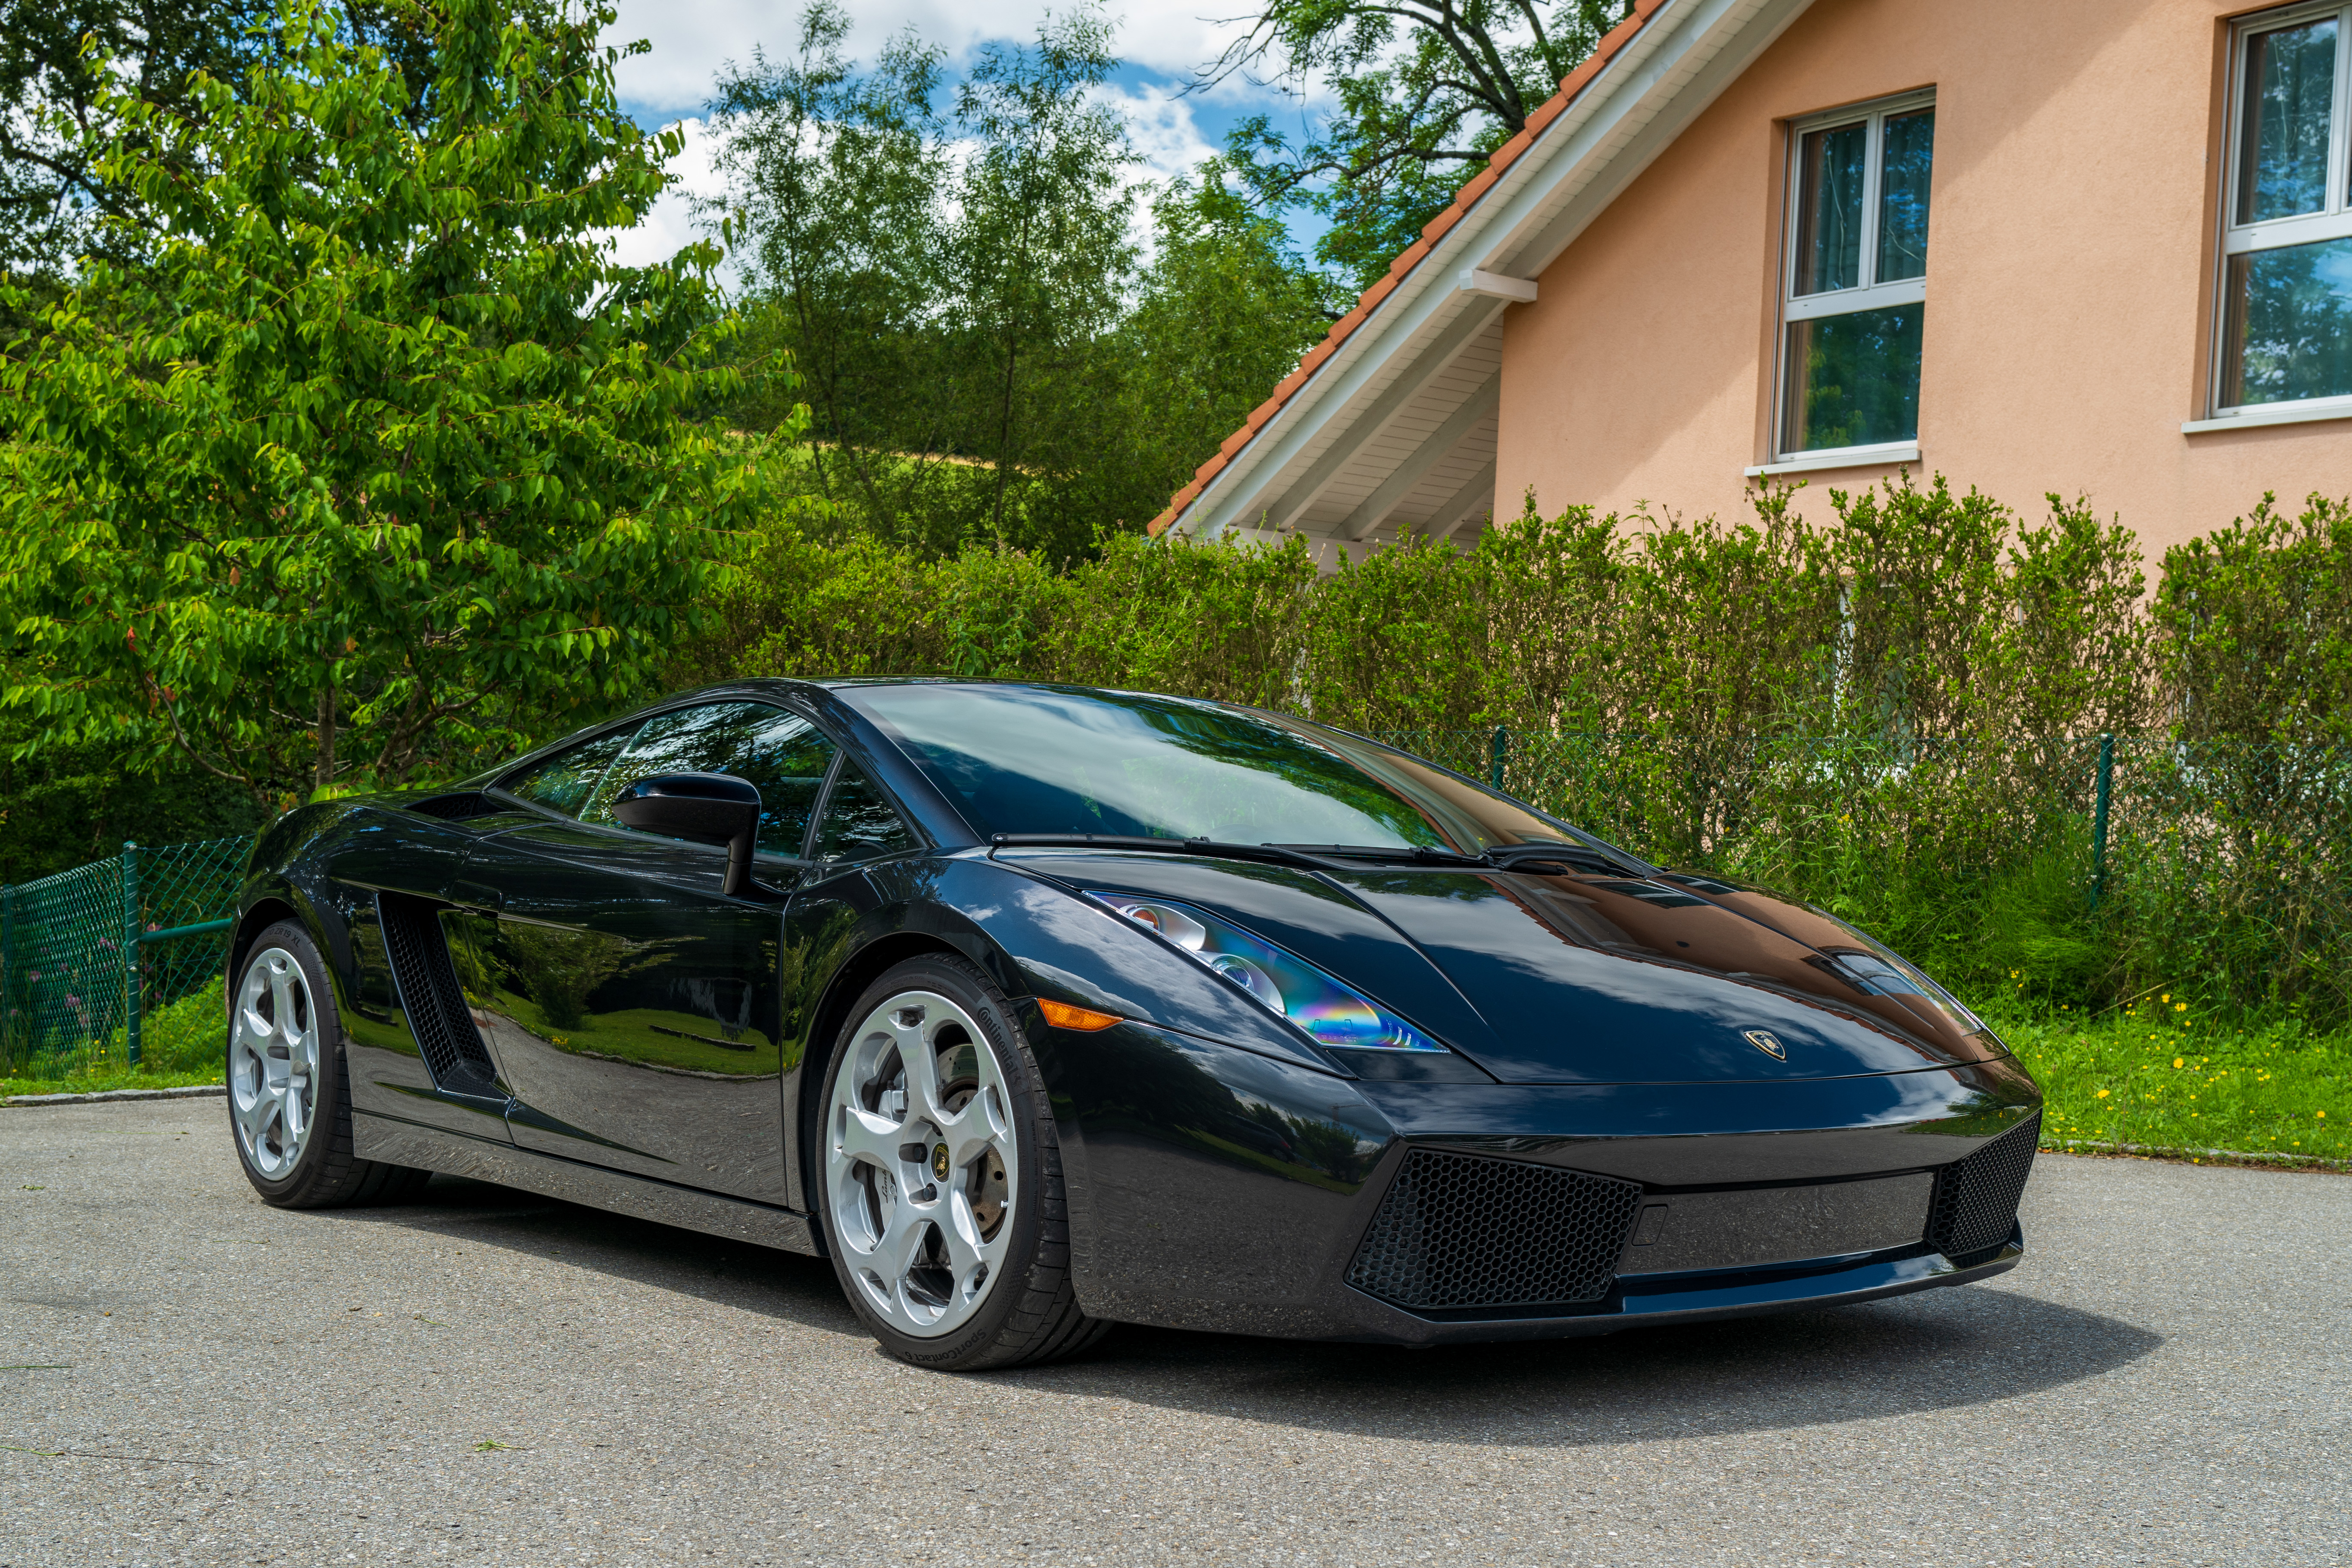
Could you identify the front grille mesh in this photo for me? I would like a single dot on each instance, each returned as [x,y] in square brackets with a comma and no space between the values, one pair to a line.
[1975,1207]
[429,995]
[1460,1231]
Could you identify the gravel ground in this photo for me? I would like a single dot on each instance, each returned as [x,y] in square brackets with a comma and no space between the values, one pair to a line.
[492,1376]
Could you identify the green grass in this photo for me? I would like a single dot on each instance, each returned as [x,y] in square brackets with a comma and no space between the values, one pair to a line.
[2156,1075]
[180,1044]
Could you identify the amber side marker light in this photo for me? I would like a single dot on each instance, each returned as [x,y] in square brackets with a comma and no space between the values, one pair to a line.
[1062,1015]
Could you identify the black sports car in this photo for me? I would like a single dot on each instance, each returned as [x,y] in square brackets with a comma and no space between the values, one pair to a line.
[1037,1009]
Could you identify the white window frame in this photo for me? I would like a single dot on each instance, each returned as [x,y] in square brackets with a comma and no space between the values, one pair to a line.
[2333,221]
[1869,295]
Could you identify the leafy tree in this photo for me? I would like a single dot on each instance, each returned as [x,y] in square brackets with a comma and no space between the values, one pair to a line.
[1040,255]
[52,96]
[1426,90]
[1222,312]
[952,282]
[380,460]
[835,177]
[62,62]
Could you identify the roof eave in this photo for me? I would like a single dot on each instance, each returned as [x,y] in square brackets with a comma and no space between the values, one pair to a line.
[1497,223]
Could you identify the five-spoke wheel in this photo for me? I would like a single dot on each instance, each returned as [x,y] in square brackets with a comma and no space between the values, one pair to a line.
[919,1163]
[273,1062]
[940,1172]
[288,1086]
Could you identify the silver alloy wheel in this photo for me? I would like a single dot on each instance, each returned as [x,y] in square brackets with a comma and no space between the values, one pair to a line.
[273,1062]
[920,1163]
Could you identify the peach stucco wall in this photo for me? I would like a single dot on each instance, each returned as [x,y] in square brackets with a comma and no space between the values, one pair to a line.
[2070,264]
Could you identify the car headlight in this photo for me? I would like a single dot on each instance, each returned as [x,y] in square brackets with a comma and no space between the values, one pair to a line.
[1331,1012]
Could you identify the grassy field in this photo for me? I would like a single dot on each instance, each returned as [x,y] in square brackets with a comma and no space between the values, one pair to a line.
[2156,1075]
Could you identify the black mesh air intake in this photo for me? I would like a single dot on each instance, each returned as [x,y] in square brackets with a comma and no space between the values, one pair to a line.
[1459,1231]
[429,995]
[458,807]
[1975,1207]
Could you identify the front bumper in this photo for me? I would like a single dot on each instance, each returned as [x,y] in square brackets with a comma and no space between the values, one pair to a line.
[1245,1208]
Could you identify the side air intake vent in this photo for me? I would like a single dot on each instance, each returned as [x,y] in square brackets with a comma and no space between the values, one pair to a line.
[458,807]
[1460,1231]
[1975,1207]
[429,995]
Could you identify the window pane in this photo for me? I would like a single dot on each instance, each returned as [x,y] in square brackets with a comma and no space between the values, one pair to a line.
[2282,146]
[1829,208]
[781,754]
[2290,327]
[562,782]
[1902,197]
[858,823]
[1854,380]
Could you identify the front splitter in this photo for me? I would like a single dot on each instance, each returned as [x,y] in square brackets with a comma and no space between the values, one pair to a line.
[1637,1303]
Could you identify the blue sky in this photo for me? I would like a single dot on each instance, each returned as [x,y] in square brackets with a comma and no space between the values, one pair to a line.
[1160,45]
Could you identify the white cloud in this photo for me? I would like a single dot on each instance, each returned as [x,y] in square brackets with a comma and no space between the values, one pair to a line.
[691,38]
[670,227]
[1162,129]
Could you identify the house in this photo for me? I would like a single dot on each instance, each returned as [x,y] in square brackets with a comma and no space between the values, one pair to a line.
[2100,246]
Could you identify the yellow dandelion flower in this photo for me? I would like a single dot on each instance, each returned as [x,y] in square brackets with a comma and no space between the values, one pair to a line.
[2175,1061]
[2103,1094]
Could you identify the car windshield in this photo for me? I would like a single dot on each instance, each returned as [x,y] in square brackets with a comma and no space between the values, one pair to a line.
[1059,759]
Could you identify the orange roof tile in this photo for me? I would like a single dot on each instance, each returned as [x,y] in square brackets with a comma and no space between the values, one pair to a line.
[1575,82]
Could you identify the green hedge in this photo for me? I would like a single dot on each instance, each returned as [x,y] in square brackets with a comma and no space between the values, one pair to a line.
[1895,713]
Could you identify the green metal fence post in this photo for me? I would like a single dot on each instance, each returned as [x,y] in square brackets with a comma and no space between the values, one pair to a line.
[7,957]
[131,953]
[1501,742]
[2099,819]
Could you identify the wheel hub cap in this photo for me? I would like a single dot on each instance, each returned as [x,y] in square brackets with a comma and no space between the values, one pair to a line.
[919,1163]
[273,1062]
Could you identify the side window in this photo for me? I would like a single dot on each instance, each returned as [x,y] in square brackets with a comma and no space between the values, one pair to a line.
[859,824]
[780,753]
[565,781]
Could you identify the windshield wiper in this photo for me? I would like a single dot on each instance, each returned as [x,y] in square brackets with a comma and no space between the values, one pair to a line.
[1272,854]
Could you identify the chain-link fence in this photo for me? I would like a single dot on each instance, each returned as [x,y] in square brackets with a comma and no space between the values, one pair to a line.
[87,954]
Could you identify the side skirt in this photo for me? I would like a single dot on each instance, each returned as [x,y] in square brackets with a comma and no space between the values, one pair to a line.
[398,1143]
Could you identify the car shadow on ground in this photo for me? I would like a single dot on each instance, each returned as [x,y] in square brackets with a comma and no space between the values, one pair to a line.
[1937,1350]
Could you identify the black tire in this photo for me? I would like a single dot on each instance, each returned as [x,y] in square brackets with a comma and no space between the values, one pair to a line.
[1031,1314]
[325,1172]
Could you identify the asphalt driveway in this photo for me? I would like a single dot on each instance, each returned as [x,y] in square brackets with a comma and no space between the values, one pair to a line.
[492,1376]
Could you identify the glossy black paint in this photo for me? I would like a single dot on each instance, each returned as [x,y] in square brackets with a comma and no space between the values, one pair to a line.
[629,943]
[1221,1165]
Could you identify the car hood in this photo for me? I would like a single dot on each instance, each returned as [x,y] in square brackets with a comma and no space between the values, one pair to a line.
[1569,978]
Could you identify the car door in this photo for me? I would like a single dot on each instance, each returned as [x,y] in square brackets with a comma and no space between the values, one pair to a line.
[632,1006]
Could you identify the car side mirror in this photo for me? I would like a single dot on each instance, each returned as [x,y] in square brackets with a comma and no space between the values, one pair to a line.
[702,808]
